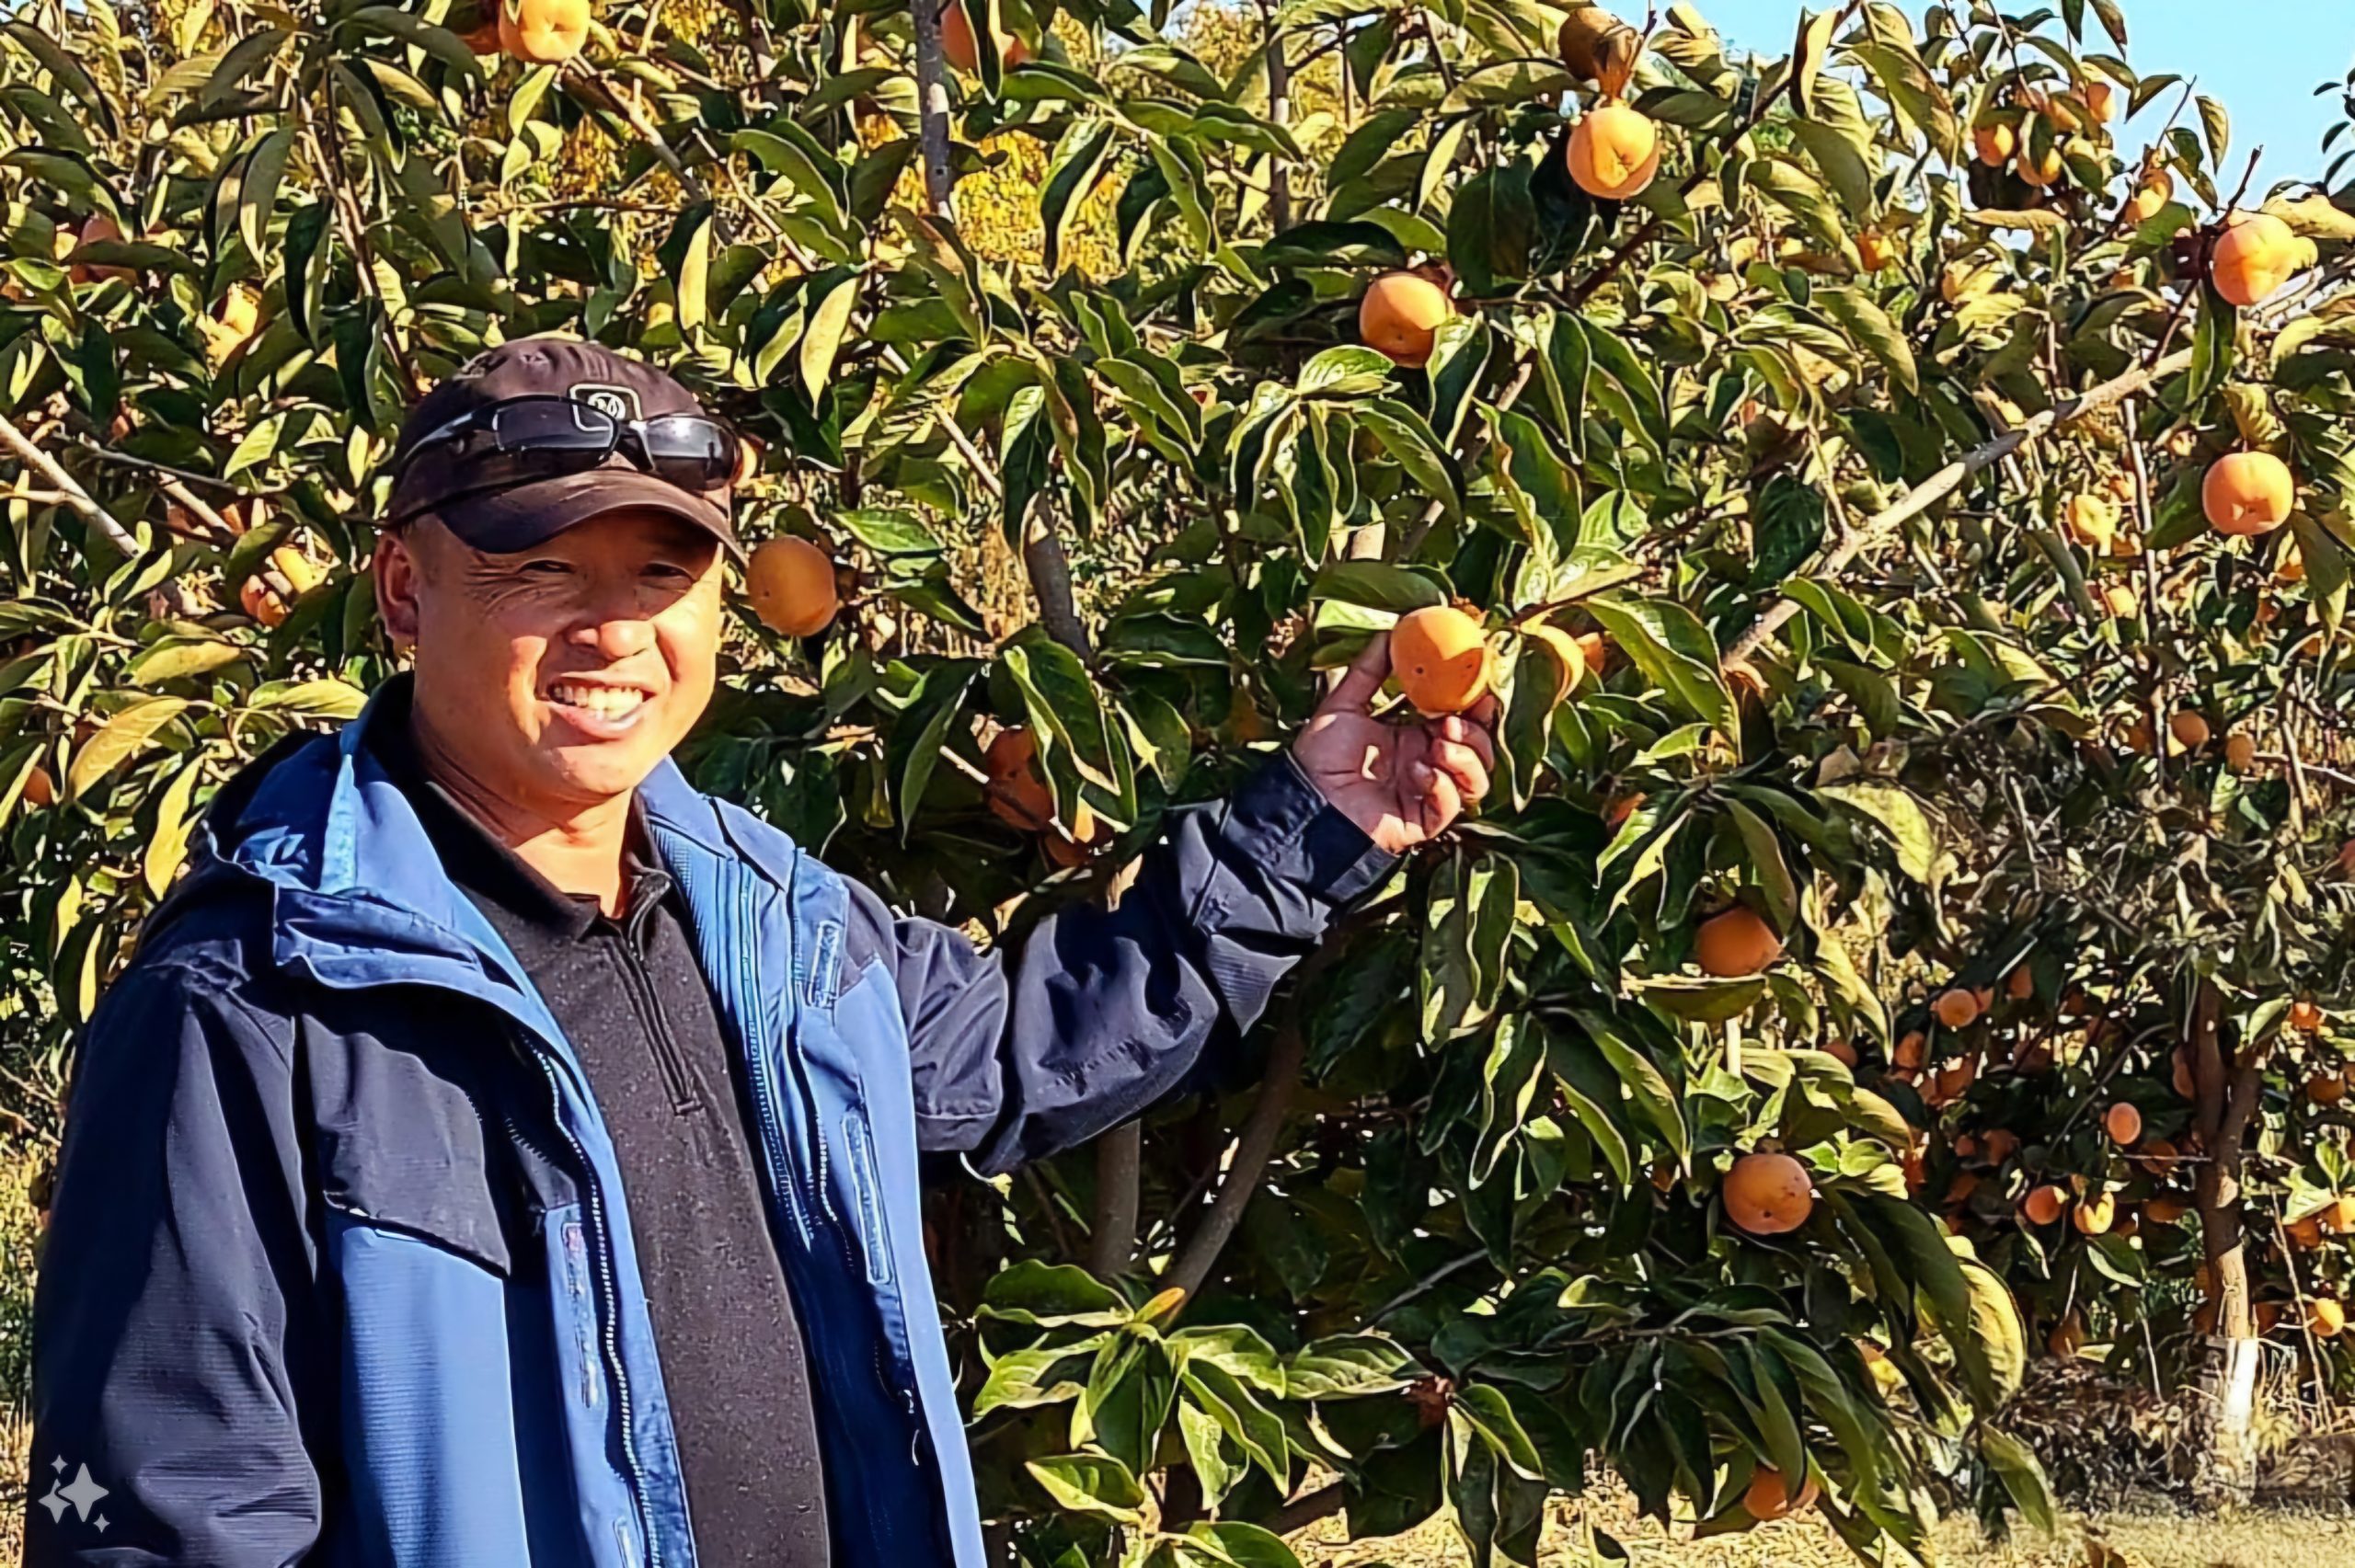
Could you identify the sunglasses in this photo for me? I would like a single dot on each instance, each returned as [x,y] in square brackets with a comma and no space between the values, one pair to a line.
[523,438]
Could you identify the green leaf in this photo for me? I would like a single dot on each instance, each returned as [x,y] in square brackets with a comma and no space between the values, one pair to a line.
[1071,175]
[823,338]
[2016,1466]
[258,191]
[2216,125]
[1764,851]
[1787,530]
[694,280]
[1874,332]
[1491,224]
[1408,438]
[322,699]
[1242,1545]
[1026,1379]
[1487,1415]
[177,659]
[126,734]
[1676,654]
[1348,1366]
[1250,1424]
[1892,808]
[1090,1483]
[1345,371]
[787,149]
[1051,1295]
[1839,139]
[1328,244]
[167,846]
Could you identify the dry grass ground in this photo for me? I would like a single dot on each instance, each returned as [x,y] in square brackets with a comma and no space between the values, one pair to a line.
[2263,1540]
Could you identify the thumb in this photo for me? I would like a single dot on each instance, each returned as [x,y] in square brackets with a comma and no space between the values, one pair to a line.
[1361,682]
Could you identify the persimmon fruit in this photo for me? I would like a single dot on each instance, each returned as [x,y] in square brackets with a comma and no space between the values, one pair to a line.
[1018,794]
[1400,316]
[1613,151]
[1439,658]
[1770,1497]
[791,584]
[1956,1009]
[2253,256]
[2247,493]
[1737,942]
[1994,142]
[1569,661]
[543,32]
[1598,47]
[1768,1194]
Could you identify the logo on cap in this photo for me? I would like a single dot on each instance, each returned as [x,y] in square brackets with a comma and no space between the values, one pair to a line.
[613,402]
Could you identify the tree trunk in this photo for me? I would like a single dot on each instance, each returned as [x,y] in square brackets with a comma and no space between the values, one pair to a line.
[2226,1094]
[932,107]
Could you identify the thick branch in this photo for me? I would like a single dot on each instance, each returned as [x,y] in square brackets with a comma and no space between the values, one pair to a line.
[1253,1149]
[1950,478]
[932,107]
[71,489]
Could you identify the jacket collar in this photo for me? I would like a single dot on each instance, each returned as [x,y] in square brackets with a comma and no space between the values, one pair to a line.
[359,895]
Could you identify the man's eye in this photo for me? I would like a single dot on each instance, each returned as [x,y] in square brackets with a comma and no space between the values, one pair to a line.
[547,568]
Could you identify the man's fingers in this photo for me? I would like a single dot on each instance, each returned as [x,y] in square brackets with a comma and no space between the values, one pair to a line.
[1361,682]
[1465,733]
[1484,713]
[1463,766]
[1443,802]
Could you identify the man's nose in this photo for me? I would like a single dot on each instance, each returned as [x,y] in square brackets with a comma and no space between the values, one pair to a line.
[614,631]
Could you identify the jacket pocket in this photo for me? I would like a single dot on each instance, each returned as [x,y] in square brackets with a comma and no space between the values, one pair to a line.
[409,1154]
[872,1234]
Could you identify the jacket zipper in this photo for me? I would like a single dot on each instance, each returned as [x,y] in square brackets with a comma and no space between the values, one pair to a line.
[608,1302]
[764,1085]
[668,1060]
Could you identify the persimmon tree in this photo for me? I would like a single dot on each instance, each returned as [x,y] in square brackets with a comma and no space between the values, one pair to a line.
[1732,411]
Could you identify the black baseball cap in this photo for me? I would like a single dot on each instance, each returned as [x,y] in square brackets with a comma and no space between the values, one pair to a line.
[502,515]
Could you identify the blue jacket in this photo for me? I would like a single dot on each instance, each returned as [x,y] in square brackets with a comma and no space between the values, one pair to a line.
[341,1271]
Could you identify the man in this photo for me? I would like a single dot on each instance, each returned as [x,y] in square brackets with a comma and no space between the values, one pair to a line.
[498,1153]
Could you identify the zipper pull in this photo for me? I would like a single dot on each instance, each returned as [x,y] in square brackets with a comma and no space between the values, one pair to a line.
[915,1429]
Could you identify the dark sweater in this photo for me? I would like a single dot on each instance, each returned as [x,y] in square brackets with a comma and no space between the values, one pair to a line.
[632,1001]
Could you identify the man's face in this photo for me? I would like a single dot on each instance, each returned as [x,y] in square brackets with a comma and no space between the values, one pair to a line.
[557,678]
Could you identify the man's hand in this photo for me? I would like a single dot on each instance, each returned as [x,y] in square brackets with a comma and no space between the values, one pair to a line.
[1404,783]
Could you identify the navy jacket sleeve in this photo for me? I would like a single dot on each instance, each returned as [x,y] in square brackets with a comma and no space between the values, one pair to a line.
[1101,1011]
[169,1323]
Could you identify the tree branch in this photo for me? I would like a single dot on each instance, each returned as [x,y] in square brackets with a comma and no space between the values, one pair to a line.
[932,107]
[1950,478]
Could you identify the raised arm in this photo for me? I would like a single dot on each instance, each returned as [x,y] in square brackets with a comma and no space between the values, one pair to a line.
[1102,1011]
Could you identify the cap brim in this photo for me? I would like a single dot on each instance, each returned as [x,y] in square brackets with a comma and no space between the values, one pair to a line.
[501,523]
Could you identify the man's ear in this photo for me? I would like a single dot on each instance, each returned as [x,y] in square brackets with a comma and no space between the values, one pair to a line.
[398,573]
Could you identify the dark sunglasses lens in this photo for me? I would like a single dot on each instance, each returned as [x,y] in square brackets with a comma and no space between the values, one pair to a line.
[552,424]
[690,451]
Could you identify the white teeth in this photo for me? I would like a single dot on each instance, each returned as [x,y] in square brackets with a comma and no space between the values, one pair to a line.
[606,702]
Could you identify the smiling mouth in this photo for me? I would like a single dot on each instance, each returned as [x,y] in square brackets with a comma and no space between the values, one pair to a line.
[606,705]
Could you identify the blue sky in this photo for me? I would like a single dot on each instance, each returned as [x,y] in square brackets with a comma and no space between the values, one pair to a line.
[2261,58]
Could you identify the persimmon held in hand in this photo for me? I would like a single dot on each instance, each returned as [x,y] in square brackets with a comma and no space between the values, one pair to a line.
[1439,659]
